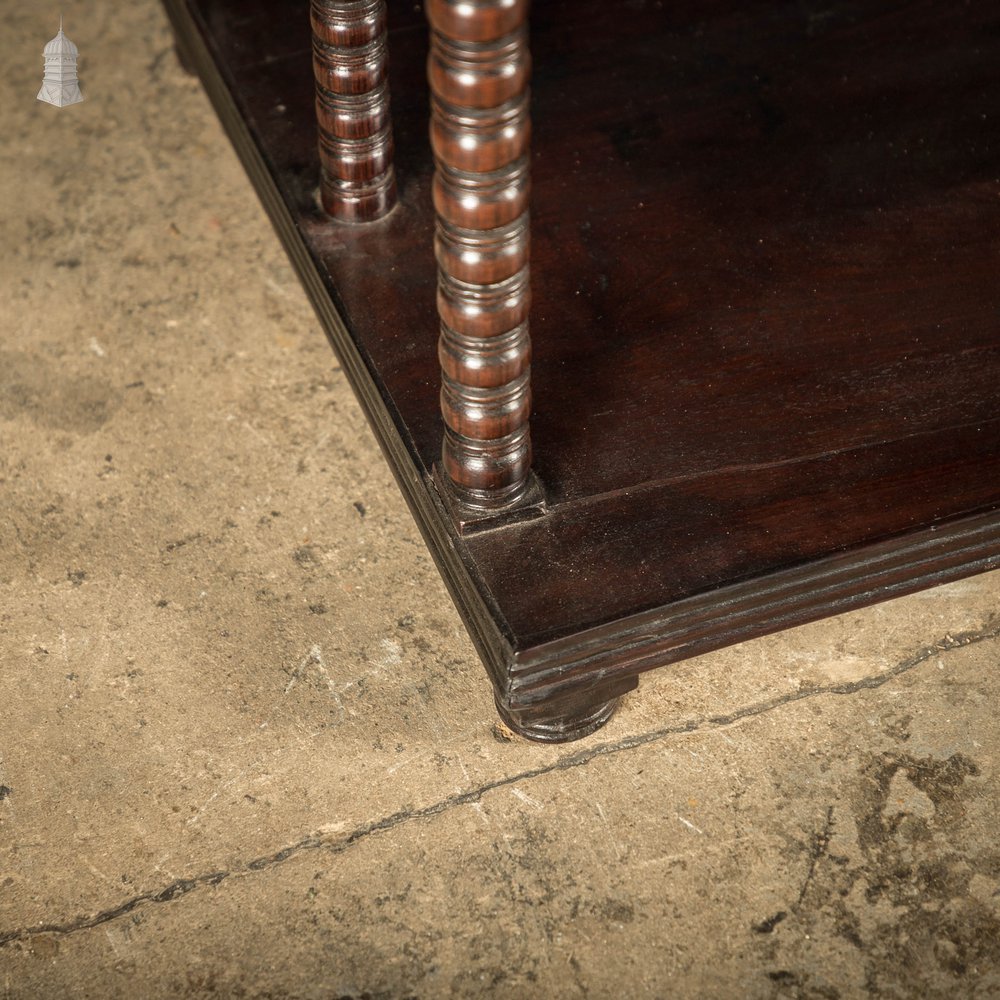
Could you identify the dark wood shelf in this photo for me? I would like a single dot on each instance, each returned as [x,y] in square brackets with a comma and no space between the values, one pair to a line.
[766,315]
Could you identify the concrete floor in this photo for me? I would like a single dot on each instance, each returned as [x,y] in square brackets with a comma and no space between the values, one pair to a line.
[246,748]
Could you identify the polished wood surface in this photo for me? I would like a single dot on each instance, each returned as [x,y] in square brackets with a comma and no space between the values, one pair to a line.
[478,68]
[766,316]
[357,180]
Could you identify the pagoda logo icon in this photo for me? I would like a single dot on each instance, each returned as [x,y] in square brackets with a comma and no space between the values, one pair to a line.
[60,85]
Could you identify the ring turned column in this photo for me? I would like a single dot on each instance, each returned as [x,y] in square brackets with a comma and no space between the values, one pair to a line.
[357,181]
[478,68]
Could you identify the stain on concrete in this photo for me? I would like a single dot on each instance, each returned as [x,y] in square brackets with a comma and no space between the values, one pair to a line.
[37,389]
[307,556]
[899,892]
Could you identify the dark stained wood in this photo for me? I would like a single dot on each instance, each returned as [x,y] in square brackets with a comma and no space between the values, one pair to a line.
[766,316]
[357,180]
[478,70]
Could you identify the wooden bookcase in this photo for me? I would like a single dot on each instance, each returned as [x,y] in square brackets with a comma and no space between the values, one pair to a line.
[765,315]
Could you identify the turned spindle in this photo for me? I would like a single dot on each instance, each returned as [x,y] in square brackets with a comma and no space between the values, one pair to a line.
[357,182]
[478,68]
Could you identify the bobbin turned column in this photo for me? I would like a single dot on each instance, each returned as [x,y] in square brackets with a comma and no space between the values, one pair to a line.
[478,69]
[357,181]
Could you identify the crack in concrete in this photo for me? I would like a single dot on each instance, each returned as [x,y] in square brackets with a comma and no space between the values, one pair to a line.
[182,886]
[817,851]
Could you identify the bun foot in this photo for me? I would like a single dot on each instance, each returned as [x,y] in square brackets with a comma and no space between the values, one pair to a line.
[557,724]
